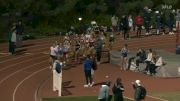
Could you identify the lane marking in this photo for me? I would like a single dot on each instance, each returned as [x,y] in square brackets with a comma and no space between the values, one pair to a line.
[156,98]
[19,84]
[20,63]
[5,78]
[40,86]
[12,59]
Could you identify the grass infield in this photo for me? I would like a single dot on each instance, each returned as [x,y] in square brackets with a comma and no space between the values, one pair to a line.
[169,96]
[80,98]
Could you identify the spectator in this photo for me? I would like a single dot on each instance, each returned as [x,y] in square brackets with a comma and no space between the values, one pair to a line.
[171,22]
[87,70]
[19,30]
[130,20]
[159,66]
[139,22]
[147,20]
[141,57]
[140,92]
[57,76]
[111,40]
[158,22]
[98,47]
[163,22]
[118,90]
[12,41]
[178,19]
[124,54]
[53,54]
[148,60]
[125,27]
[104,92]
[114,21]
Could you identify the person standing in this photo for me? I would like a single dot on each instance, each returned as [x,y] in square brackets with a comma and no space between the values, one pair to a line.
[53,54]
[130,23]
[171,22]
[98,47]
[114,21]
[19,29]
[125,23]
[158,22]
[124,54]
[178,19]
[104,92]
[140,91]
[87,71]
[139,22]
[147,20]
[57,76]
[118,90]
[12,42]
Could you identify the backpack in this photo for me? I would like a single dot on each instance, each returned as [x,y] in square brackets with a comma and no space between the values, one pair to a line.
[143,92]
[58,67]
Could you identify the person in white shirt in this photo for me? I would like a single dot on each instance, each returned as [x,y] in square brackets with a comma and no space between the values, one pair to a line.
[53,54]
[148,60]
[13,40]
[104,92]
[57,77]
[114,21]
[130,20]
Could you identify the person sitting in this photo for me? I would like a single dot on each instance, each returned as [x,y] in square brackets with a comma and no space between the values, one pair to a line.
[141,57]
[159,65]
[148,60]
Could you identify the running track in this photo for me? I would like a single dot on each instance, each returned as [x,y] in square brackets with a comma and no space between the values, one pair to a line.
[27,77]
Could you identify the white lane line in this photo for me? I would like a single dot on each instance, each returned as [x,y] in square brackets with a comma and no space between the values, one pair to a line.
[19,63]
[128,98]
[12,59]
[3,53]
[19,84]
[40,86]
[5,78]
[156,98]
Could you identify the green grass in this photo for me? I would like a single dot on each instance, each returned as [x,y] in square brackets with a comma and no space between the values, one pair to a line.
[170,96]
[81,98]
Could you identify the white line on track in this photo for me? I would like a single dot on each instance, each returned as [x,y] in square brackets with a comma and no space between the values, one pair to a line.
[19,84]
[12,59]
[5,78]
[19,63]
[156,98]
[42,83]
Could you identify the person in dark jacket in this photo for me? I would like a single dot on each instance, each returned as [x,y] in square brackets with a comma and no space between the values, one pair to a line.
[141,57]
[19,30]
[87,70]
[98,47]
[137,88]
[158,22]
[118,90]
[125,23]
[147,20]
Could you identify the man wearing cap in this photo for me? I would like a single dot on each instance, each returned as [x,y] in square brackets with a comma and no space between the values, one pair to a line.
[137,88]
